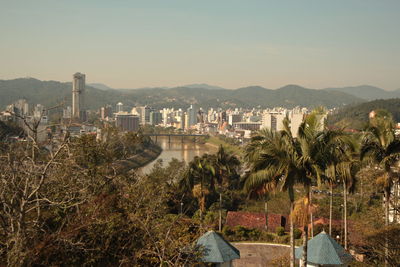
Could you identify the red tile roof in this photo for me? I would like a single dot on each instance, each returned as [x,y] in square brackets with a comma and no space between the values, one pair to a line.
[255,220]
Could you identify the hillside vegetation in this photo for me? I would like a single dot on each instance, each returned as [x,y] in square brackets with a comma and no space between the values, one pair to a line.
[367,92]
[356,116]
[52,93]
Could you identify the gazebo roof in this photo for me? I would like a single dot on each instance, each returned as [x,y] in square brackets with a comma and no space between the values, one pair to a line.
[216,248]
[323,249]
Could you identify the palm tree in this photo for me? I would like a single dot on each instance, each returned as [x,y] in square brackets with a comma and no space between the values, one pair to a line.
[276,159]
[381,146]
[201,172]
[226,166]
[347,171]
[338,147]
[310,137]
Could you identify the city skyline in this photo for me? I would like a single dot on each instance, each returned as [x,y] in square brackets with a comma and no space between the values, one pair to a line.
[232,44]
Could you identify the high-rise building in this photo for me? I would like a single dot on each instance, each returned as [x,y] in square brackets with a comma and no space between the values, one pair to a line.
[167,116]
[273,120]
[201,117]
[192,115]
[39,111]
[296,118]
[232,118]
[127,122]
[144,113]
[78,90]
[221,117]
[22,106]
[184,121]
[67,112]
[155,117]
[120,107]
[106,112]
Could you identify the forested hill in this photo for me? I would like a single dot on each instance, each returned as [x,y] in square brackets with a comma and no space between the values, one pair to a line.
[52,92]
[367,92]
[49,93]
[356,116]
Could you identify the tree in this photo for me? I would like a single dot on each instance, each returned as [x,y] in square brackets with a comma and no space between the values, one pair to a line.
[201,172]
[381,146]
[56,211]
[276,160]
[347,171]
[23,177]
[338,149]
[380,248]
[226,168]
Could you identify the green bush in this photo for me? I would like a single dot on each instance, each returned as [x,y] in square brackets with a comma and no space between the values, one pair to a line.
[285,239]
[254,234]
[227,232]
[267,237]
[280,231]
[297,233]
[241,232]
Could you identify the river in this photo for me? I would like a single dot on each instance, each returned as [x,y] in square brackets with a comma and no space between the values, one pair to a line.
[176,149]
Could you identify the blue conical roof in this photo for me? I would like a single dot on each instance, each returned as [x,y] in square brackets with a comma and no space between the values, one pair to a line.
[323,249]
[216,248]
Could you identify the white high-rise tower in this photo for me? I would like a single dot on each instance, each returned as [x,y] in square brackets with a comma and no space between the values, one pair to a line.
[78,90]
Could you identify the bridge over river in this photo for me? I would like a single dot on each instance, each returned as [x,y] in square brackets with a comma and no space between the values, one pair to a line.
[183,135]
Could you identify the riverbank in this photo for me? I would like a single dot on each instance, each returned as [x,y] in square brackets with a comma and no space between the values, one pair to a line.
[229,148]
[139,160]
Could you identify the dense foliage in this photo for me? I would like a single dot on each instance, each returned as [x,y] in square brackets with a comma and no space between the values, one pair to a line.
[67,208]
[75,205]
[356,116]
[9,130]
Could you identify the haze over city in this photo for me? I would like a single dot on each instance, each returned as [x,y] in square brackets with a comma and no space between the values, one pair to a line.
[224,133]
[232,44]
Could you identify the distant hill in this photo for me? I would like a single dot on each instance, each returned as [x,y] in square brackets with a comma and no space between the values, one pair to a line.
[51,93]
[356,116]
[100,86]
[253,96]
[367,92]
[203,86]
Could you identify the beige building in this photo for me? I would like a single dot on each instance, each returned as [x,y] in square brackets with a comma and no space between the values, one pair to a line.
[273,120]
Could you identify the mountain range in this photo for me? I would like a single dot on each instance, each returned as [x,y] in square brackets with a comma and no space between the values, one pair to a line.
[367,92]
[51,93]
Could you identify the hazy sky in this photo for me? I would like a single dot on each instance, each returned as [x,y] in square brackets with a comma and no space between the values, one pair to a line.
[230,43]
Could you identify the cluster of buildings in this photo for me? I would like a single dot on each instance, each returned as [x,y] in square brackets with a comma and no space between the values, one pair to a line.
[144,115]
[235,122]
[28,118]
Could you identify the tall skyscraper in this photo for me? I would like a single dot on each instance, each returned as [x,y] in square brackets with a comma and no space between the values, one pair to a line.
[78,90]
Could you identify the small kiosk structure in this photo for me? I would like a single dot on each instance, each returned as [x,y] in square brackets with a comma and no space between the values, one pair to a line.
[217,250]
[323,250]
